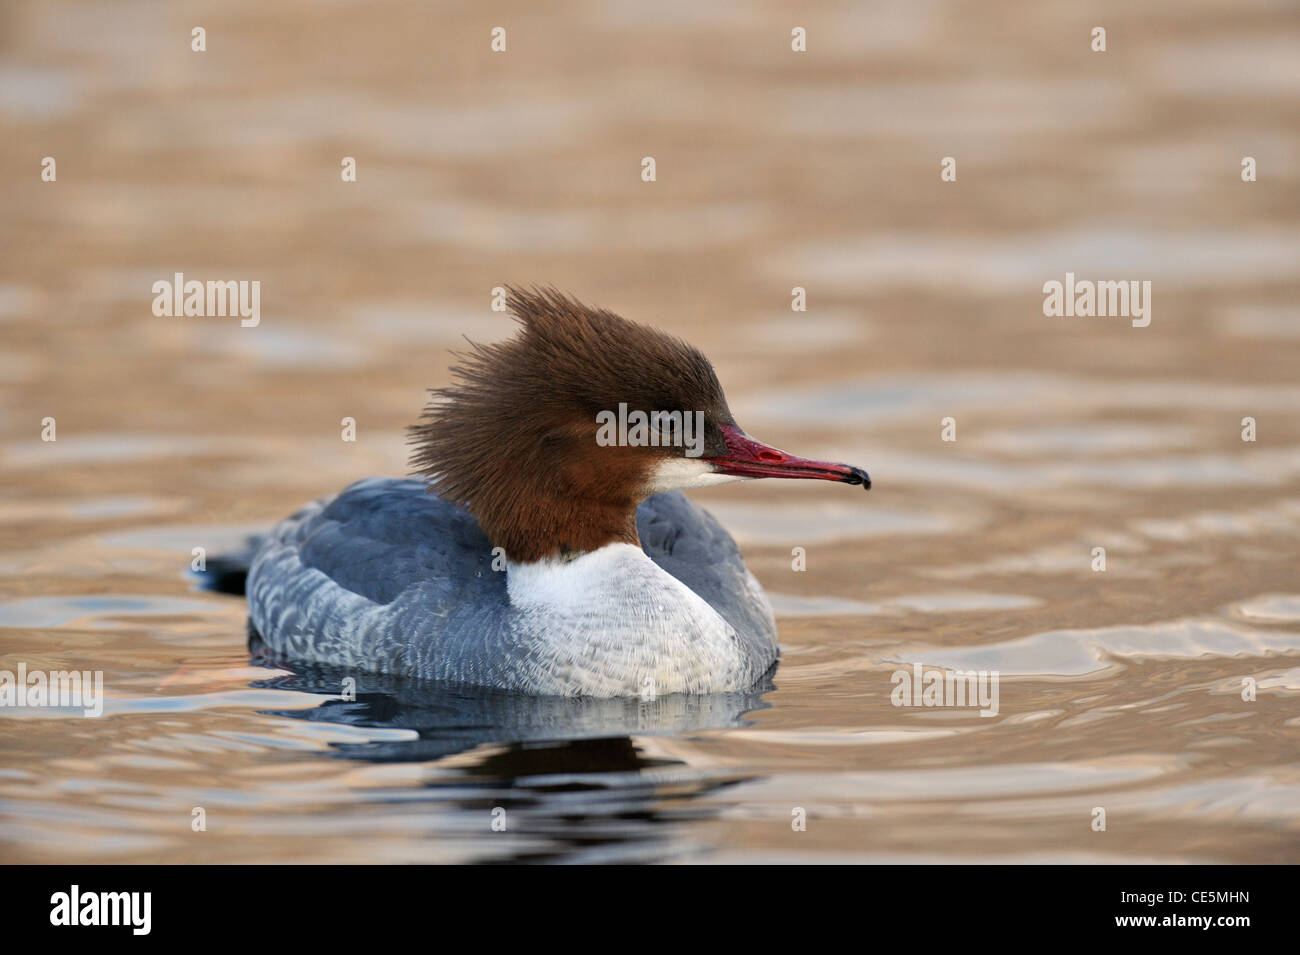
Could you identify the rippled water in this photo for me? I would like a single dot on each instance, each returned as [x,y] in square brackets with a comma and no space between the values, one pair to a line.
[1119,689]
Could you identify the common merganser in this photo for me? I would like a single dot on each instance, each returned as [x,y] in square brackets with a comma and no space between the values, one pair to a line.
[531,555]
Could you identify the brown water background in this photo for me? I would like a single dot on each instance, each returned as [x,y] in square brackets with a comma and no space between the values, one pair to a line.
[1119,690]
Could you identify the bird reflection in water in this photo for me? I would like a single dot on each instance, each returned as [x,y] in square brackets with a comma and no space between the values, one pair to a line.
[571,774]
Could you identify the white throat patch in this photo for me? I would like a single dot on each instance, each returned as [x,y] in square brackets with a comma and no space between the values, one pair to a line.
[677,474]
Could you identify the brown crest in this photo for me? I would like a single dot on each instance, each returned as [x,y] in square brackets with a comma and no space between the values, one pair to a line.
[513,439]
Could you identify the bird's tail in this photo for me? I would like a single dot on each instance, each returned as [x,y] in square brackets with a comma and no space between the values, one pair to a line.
[228,573]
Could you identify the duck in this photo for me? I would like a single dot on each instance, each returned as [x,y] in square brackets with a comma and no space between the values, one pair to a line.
[542,544]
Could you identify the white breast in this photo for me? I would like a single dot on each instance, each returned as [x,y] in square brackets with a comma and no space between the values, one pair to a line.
[612,622]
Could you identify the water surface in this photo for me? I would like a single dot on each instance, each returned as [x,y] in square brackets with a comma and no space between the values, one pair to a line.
[1119,689]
